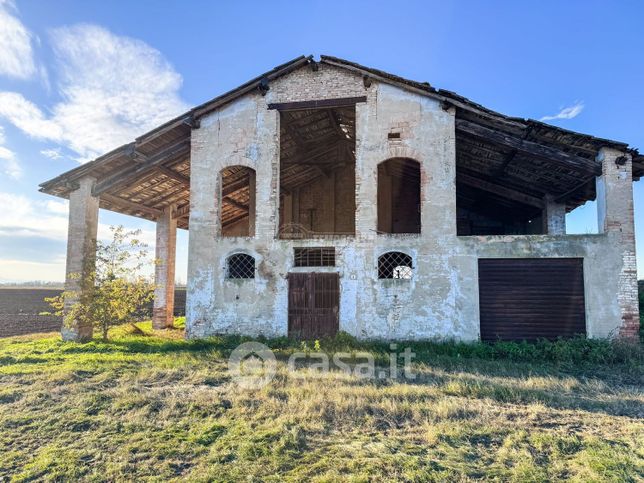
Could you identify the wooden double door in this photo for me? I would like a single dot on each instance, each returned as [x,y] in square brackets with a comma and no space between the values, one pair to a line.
[313,305]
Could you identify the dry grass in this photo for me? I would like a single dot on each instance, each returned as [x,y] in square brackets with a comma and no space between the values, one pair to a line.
[160,408]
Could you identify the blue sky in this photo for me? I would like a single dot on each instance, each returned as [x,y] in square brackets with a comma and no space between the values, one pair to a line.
[78,78]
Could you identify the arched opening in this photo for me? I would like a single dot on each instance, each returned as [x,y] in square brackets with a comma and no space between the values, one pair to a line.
[399,196]
[396,265]
[237,201]
[240,265]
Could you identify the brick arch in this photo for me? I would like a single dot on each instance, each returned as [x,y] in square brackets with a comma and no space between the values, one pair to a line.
[404,152]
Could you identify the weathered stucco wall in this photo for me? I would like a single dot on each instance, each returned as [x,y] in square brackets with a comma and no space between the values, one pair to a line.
[440,301]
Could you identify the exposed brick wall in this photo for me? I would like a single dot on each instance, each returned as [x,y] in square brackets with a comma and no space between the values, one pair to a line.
[616,217]
[327,83]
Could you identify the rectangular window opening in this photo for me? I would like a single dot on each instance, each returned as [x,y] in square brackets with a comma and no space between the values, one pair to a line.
[317,172]
[314,257]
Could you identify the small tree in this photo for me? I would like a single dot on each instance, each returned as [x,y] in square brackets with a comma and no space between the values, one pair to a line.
[121,290]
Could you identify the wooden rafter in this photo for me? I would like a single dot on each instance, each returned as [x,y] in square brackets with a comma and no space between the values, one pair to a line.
[130,174]
[129,205]
[499,190]
[536,150]
[235,203]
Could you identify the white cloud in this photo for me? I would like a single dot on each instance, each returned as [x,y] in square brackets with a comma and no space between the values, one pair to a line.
[57,207]
[569,112]
[32,220]
[8,162]
[26,116]
[23,217]
[113,88]
[53,153]
[25,271]
[16,53]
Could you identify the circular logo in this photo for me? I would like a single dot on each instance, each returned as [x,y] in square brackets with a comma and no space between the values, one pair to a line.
[252,365]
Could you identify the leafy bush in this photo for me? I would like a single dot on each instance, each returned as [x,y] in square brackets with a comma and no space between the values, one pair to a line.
[118,290]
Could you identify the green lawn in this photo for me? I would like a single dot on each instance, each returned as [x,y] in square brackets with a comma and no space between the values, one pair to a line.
[158,407]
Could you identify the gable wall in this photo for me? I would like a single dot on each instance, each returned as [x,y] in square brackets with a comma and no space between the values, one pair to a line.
[441,301]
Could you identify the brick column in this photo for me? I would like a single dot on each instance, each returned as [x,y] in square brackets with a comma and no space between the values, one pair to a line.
[615,217]
[166,251]
[81,258]
[553,217]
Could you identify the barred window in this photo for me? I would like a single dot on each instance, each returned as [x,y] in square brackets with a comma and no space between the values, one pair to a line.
[395,265]
[240,265]
[314,257]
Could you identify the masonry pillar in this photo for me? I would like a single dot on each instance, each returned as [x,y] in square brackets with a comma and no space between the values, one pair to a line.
[166,250]
[81,259]
[553,217]
[615,217]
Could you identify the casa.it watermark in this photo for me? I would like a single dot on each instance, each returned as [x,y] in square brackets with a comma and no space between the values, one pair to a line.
[253,365]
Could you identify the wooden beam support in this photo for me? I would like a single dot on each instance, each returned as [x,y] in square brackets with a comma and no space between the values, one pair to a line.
[166,195]
[506,162]
[182,211]
[530,148]
[235,203]
[130,174]
[235,186]
[315,153]
[318,104]
[499,190]
[171,173]
[234,219]
[122,203]
[564,197]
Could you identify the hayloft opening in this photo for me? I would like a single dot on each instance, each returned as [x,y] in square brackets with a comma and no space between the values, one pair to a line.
[237,201]
[399,196]
[317,171]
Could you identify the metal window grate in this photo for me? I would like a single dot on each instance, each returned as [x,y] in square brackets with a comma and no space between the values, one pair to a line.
[240,266]
[315,257]
[395,265]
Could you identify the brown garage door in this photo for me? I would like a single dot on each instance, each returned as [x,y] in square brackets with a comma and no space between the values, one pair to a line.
[531,298]
[313,305]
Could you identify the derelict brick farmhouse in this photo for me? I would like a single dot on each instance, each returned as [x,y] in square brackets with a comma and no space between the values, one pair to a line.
[325,196]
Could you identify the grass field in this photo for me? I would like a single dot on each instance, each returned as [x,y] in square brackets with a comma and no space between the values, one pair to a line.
[158,407]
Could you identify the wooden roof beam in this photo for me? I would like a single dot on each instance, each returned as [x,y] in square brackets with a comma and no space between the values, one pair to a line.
[234,219]
[315,153]
[235,203]
[530,148]
[130,174]
[182,211]
[499,190]
[127,204]
[171,173]
[236,185]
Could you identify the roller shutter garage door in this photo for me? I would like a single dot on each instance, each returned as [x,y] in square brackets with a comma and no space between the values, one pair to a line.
[529,299]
